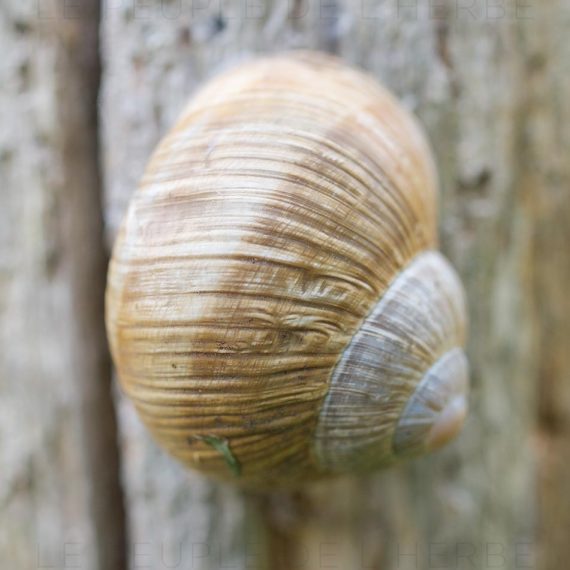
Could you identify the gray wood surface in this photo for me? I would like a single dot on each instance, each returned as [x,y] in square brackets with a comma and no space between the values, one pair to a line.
[492,89]
[60,499]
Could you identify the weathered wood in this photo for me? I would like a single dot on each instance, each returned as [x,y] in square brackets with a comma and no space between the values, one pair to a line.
[60,501]
[490,87]
[545,172]
[469,504]
[154,59]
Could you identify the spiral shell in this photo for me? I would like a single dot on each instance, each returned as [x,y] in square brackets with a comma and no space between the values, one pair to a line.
[276,307]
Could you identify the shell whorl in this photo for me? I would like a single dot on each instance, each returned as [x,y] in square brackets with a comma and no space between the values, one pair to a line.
[401,370]
[271,221]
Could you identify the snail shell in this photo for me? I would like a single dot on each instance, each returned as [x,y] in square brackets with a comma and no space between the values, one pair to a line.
[276,306]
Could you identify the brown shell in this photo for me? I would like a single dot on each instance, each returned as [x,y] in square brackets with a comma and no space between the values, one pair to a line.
[270,223]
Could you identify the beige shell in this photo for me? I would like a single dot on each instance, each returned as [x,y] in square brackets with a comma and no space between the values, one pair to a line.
[276,307]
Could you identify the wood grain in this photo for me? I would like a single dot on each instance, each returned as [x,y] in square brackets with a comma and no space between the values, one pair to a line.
[60,496]
[489,90]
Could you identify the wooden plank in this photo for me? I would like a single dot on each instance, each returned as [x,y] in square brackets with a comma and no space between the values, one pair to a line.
[471,504]
[487,86]
[546,176]
[60,500]
[155,54]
